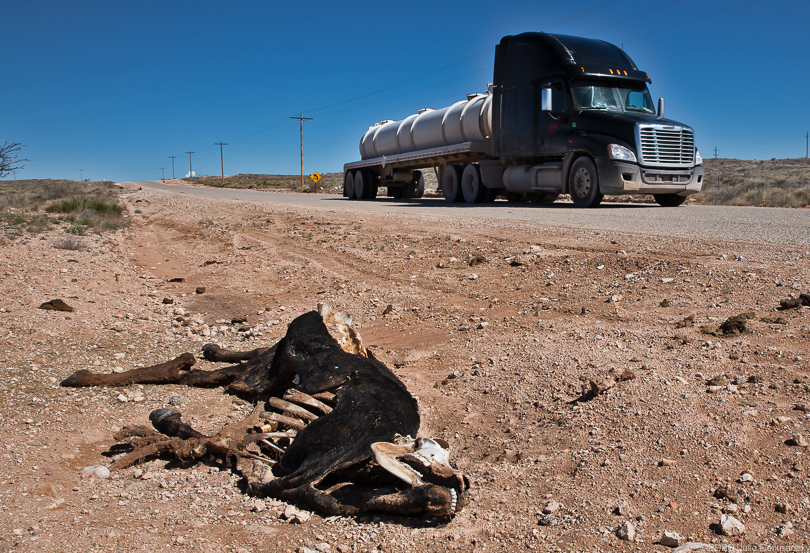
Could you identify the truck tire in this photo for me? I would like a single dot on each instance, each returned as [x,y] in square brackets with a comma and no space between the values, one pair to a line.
[669,200]
[583,183]
[415,188]
[451,183]
[348,185]
[472,188]
[364,188]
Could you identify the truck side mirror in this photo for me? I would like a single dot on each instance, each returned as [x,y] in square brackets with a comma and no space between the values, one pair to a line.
[545,99]
[660,108]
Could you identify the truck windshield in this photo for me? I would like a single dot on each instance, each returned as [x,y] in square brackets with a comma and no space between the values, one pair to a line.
[612,96]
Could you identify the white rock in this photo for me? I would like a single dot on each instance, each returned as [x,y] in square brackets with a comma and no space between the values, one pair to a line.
[552,507]
[730,526]
[672,539]
[623,509]
[667,280]
[98,471]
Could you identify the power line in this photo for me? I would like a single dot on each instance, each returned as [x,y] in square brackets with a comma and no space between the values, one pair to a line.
[630,18]
[690,21]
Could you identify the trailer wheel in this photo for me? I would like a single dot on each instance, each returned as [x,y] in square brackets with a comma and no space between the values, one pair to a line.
[364,188]
[415,188]
[472,188]
[451,183]
[669,200]
[583,183]
[348,185]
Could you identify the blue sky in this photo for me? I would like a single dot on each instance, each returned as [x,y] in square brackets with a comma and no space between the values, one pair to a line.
[115,88]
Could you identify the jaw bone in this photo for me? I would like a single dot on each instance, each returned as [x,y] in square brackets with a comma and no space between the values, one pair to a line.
[420,462]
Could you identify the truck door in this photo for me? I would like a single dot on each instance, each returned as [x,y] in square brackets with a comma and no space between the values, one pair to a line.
[553,125]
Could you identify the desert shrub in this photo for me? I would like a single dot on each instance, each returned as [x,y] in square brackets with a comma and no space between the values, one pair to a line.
[82,204]
[751,197]
[776,197]
[70,242]
[800,197]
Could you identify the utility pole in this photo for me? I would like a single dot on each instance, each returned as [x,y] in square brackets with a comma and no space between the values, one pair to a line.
[806,144]
[172,158]
[162,174]
[221,158]
[190,170]
[718,167]
[301,119]
[81,175]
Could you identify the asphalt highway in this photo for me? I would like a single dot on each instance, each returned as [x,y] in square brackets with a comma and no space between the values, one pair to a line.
[755,225]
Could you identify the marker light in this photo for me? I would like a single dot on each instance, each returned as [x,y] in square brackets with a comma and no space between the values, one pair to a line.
[620,152]
[698,157]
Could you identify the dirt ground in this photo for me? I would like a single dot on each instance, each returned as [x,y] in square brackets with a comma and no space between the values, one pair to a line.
[498,328]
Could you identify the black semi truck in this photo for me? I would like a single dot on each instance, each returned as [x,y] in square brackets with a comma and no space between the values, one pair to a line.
[563,115]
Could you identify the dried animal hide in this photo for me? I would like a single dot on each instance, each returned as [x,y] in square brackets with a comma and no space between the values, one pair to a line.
[331,428]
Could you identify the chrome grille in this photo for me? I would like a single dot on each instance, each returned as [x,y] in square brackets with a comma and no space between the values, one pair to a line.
[666,146]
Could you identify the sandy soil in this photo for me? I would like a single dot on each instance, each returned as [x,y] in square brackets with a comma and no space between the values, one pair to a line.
[498,328]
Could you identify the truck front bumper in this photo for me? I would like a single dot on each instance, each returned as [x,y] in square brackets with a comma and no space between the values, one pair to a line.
[629,178]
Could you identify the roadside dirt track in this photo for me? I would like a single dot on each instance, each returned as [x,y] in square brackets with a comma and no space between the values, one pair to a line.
[498,327]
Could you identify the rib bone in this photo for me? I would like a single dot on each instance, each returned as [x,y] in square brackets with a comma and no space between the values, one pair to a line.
[305,399]
[281,419]
[292,409]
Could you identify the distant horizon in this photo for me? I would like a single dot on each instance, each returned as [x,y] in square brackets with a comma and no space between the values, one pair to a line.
[324,173]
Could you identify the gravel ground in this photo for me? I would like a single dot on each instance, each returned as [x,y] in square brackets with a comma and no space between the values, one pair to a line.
[581,378]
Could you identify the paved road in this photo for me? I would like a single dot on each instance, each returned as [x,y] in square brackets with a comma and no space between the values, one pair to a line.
[761,225]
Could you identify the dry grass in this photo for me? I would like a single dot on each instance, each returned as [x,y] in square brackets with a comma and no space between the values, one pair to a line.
[773,183]
[33,206]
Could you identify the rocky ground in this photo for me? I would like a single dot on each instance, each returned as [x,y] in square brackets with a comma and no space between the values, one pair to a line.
[582,378]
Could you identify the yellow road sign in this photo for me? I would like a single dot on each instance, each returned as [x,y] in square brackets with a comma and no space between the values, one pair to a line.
[315,177]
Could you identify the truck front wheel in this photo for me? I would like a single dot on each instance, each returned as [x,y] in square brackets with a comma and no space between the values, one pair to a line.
[669,200]
[451,183]
[583,183]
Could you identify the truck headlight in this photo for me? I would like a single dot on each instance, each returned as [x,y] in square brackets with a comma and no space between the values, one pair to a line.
[620,152]
[698,157]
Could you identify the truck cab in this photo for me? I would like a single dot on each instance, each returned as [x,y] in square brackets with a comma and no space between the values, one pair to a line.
[574,115]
